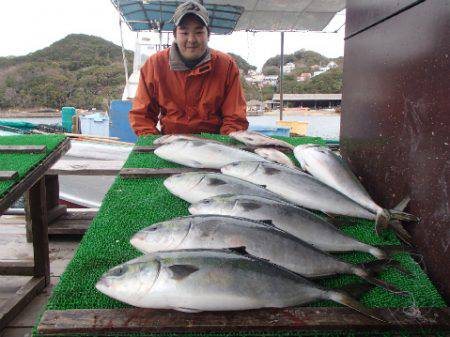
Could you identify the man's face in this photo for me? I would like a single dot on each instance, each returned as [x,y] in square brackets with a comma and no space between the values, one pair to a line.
[192,38]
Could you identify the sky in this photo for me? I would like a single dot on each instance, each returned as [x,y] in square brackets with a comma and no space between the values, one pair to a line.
[30,25]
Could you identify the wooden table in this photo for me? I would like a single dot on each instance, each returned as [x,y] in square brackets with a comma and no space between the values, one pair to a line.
[34,186]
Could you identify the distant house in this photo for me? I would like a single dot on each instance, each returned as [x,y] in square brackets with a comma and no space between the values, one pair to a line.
[319,72]
[314,101]
[331,65]
[315,67]
[288,67]
[303,77]
[270,80]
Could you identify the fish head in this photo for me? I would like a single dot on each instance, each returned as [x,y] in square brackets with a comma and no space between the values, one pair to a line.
[129,281]
[169,147]
[180,184]
[162,236]
[241,169]
[221,204]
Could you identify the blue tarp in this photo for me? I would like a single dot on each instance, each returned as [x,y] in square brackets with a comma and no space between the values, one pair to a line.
[157,15]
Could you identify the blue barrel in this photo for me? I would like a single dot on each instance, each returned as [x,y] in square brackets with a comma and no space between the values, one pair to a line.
[67,113]
[271,130]
[119,124]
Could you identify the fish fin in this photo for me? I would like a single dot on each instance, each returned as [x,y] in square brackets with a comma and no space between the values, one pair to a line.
[181,271]
[267,222]
[381,221]
[271,170]
[347,300]
[250,206]
[242,250]
[380,283]
[216,182]
[403,216]
[378,266]
[187,310]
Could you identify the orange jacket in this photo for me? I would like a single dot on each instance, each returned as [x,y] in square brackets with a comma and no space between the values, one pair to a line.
[208,98]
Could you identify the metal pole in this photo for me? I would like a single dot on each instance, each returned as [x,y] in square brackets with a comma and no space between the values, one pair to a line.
[281,75]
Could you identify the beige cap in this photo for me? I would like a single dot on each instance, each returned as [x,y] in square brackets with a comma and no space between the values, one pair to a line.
[190,7]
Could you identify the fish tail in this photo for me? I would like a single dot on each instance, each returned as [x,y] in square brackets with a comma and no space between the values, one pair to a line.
[403,216]
[382,221]
[401,232]
[380,283]
[345,299]
[377,252]
[380,265]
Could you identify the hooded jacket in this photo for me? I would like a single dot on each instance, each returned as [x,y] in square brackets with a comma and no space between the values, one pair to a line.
[208,98]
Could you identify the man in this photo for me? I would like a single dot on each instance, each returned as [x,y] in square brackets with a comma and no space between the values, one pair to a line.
[189,88]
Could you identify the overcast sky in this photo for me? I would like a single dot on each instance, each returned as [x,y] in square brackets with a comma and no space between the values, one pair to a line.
[29,25]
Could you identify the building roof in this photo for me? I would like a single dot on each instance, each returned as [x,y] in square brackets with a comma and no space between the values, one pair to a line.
[308,97]
[229,15]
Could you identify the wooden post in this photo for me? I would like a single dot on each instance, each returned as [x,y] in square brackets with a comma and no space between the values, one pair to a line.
[39,227]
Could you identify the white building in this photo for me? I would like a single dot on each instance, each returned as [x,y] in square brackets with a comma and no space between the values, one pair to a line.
[288,67]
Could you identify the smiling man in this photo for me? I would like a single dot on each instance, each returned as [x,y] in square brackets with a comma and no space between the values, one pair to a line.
[189,87]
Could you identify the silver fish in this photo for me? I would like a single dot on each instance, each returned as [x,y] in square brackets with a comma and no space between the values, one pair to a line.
[260,240]
[276,156]
[195,186]
[330,169]
[258,139]
[171,138]
[294,220]
[201,154]
[208,280]
[297,187]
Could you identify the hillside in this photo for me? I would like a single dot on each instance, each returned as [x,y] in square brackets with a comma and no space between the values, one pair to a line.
[79,70]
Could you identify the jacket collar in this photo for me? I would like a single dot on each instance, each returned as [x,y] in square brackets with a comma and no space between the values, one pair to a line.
[175,62]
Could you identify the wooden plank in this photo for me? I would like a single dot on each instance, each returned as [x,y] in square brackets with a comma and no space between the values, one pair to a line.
[14,305]
[39,229]
[87,167]
[69,227]
[151,148]
[8,175]
[33,175]
[23,148]
[127,173]
[56,212]
[17,268]
[289,319]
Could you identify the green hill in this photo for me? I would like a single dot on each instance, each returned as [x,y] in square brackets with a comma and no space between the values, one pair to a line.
[79,70]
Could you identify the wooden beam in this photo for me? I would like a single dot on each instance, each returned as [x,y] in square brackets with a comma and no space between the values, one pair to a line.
[33,175]
[127,173]
[69,227]
[119,321]
[8,175]
[87,167]
[12,307]
[23,148]
[17,268]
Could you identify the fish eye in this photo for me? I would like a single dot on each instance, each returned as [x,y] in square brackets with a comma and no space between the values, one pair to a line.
[119,271]
[206,202]
[152,229]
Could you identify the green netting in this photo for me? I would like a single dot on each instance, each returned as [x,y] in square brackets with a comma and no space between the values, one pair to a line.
[24,162]
[132,204]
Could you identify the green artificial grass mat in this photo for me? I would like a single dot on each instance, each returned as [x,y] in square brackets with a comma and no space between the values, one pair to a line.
[133,204]
[24,162]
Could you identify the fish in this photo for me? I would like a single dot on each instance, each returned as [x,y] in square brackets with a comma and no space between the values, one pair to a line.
[203,154]
[290,218]
[171,138]
[259,239]
[213,280]
[195,186]
[297,187]
[253,138]
[329,168]
[276,156]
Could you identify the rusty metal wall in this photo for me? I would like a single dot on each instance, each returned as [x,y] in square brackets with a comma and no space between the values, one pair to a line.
[395,124]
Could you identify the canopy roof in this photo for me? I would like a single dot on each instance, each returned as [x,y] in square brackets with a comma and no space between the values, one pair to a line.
[229,15]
